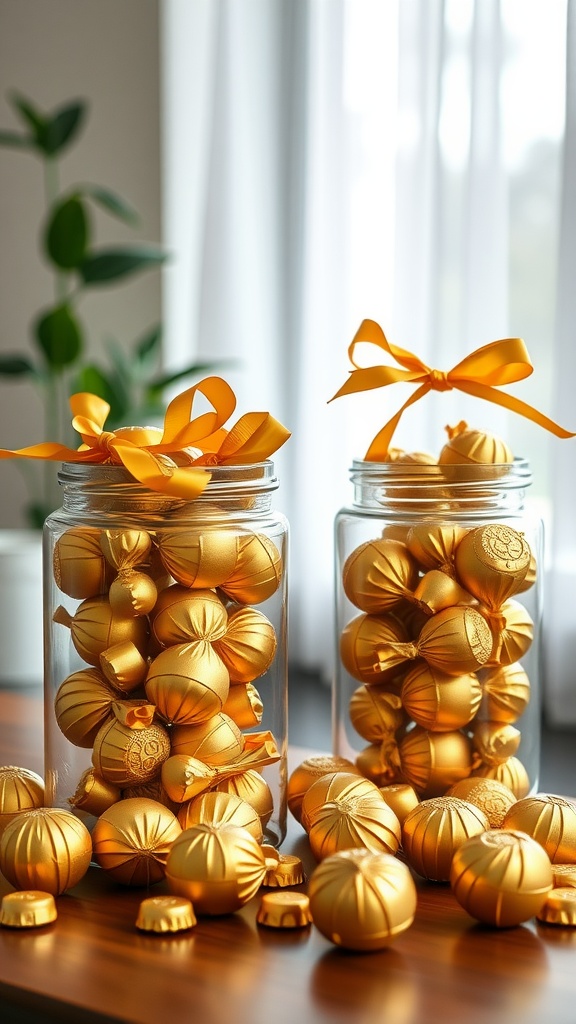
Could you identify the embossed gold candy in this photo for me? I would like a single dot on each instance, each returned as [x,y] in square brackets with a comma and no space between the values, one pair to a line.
[551,821]
[501,877]
[248,645]
[331,787]
[218,867]
[362,900]
[492,562]
[46,848]
[217,808]
[20,790]
[132,840]
[439,701]
[378,574]
[126,756]
[491,796]
[433,761]
[435,829]
[309,771]
[165,914]
[188,683]
[512,773]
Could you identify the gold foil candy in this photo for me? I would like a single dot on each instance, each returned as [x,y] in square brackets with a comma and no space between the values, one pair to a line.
[501,878]
[433,761]
[94,794]
[47,848]
[434,830]
[506,692]
[380,762]
[512,774]
[95,627]
[257,572]
[564,875]
[182,615]
[375,712]
[20,790]
[216,741]
[349,822]
[199,559]
[361,643]
[125,549]
[127,756]
[551,821]
[29,908]
[165,914]
[456,640]
[244,705]
[401,798]
[82,704]
[79,565]
[492,562]
[218,867]
[330,787]
[123,666]
[495,742]
[287,870]
[491,796]
[513,633]
[361,900]
[469,447]
[153,790]
[559,907]
[251,787]
[188,683]
[309,771]
[439,701]
[284,910]
[132,840]
[185,777]
[217,808]
[248,646]
[437,590]
[433,546]
[378,574]
[132,593]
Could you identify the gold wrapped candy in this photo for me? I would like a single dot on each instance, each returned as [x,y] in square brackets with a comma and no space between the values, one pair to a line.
[165,914]
[203,559]
[132,840]
[286,870]
[79,565]
[506,692]
[378,574]
[82,704]
[217,808]
[93,794]
[495,742]
[559,907]
[513,633]
[469,447]
[492,562]
[188,683]
[433,546]
[361,643]
[244,705]
[512,774]
[132,593]
[252,788]
[257,571]
[218,867]
[380,762]
[248,646]
[309,771]
[284,910]
[401,798]
[491,796]
[20,790]
[361,900]
[564,875]
[439,701]
[29,908]
[501,877]
[375,712]
[349,822]
[435,829]
[456,640]
[433,761]
[123,666]
[185,776]
[125,549]
[331,787]
[126,756]
[437,590]
[551,821]
[94,627]
[216,742]
[182,615]
[46,848]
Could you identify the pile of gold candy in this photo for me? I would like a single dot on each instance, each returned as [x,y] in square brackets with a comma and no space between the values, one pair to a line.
[438,641]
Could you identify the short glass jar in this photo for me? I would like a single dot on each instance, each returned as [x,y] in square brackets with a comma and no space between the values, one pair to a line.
[438,613]
[165,643]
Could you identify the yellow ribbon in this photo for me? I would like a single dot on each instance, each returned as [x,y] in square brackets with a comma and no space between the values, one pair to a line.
[253,438]
[478,374]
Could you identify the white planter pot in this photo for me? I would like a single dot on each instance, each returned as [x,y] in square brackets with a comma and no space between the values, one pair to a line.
[21,608]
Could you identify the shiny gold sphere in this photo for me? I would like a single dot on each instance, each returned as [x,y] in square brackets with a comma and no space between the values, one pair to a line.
[495,742]
[506,692]
[257,571]
[251,788]
[456,640]
[215,742]
[181,615]
[218,867]
[434,830]
[199,559]
[132,593]
[352,821]
[46,848]
[433,545]
[491,796]
[551,821]
[82,704]
[248,645]
[512,774]
[188,683]
[469,447]
[308,772]
[361,641]
[132,840]
[79,565]
[492,562]
[126,756]
[380,762]
[333,786]
[513,634]
[125,549]
[431,762]
[217,808]
[375,712]
[378,574]
[95,627]
[439,701]
[401,798]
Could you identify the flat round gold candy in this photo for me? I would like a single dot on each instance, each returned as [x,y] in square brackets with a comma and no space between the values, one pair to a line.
[218,867]
[132,593]
[439,701]
[491,563]
[127,757]
[251,788]
[29,908]
[181,615]
[361,900]
[491,796]
[248,645]
[47,849]
[349,822]
[284,910]
[433,761]
[188,683]
[501,877]
[93,794]
[203,559]
[331,787]
[551,821]
[79,565]
[217,808]
[287,870]
[512,773]
[215,742]
[123,666]
[378,574]
[20,790]
[82,704]
[362,640]
[433,546]
[506,692]
[401,798]
[132,840]
[559,907]
[257,571]
[244,705]
[434,830]
[564,875]
[469,447]
[309,771]
[165,914]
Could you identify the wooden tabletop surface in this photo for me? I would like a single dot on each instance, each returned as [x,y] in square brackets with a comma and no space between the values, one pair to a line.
[92,964]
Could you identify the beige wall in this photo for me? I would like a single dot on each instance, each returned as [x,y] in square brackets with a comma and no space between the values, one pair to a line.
[105,51]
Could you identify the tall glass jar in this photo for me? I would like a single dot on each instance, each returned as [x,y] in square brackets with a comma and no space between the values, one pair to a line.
[438,611]
[165,643]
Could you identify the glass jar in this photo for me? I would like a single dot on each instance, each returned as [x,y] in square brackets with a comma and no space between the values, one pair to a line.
[438,612]
[165,643]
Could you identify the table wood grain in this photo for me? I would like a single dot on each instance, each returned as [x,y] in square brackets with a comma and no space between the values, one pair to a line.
[93,965]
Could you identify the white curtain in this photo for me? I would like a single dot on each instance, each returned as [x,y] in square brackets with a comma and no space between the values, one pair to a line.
[331,160]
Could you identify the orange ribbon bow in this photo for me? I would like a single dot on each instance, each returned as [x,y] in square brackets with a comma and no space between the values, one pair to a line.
[478,374]
[254,437]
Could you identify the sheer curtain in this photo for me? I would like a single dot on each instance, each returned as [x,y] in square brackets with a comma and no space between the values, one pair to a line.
[330,160]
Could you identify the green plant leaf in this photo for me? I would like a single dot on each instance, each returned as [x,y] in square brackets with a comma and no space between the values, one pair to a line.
[66,235]
[16,366]
[60,337]
[36,513]
[91,378]
[63,126]
[112,264]
[13,139]
[111,202]
[149,344]
[30,115]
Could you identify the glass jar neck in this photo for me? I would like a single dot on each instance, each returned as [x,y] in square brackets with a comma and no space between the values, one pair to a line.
[432,490]
[242,490]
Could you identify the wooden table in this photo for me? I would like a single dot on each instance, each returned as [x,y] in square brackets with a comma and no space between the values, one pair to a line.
[93,965]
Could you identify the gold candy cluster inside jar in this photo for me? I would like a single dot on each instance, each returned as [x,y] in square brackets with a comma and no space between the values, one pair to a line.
[165,643]
[438,611]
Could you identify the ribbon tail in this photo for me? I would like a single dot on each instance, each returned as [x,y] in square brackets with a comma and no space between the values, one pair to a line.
[369,377]
[51,451]
[253,438]
[379,446]
[514,404]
